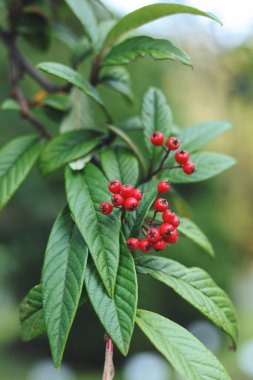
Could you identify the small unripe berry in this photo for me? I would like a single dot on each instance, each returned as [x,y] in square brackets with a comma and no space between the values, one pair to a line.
[137,194]
[114,186]
[161,204]
[163,187]
[168,216]
[189,168]
[160,245]
[173,143]
[175,222]
[132,244]
[153,235]
[131,204]
[166,229]
[105,208]
[145,245]
[172,238]
[157,138]
[182,156]
[117,200]
[126,190]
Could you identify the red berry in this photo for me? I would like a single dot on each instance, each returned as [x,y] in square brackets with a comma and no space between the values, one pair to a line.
[105,208]
[163,187]
[145,245]
[153,235]
[175,222]
[114,186]
[173,143]
[166,229]
[172,238]
[132,244]
[189,168]
[126,190]
[161,204]
[182,156]
[117,200]
[131,204]
[157,138]
[160,245]
[137,194]
[168,216]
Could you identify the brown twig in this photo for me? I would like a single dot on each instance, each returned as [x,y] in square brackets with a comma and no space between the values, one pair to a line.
[109,371]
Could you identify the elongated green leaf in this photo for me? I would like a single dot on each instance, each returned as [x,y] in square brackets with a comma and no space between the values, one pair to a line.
[16,160]
[193,232]
[140,46]
[133,124]
[31,315]
[118,79]
[84,12]
[193,137]
[67,147]
[58,102]
[71,76]
[62,281]
[147,14]
[156,116]
[116,314]
[120,164]
[10,105]
[208,165]
[85,191]
[184,352]
[196,287]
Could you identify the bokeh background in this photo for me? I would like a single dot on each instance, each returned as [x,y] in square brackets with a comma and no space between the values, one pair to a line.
[219,87]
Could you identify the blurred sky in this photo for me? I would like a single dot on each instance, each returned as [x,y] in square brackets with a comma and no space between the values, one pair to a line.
[237,17]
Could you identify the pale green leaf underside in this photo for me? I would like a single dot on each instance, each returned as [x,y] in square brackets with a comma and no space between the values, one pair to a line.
[118,79]
[184,352]
[196,287]
[71,76]
[141,46]
[120,164]
[116,314]
[67,147]
[62,281]
[147,14]
[85,191]
[16,160]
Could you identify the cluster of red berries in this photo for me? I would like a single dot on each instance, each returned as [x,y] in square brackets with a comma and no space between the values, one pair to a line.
[173,143]
[166,233]
[123,195]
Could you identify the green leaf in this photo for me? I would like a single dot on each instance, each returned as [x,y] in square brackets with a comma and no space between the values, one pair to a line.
[196,287]
[58,102]
[118,79]
[84,12]
[147,14]
[67,147]
[132,124]
[71,76]
[193,137]
[140,46]
[16,160]
[85,191]
[184,352]
[123,136]
[156,116]
[120,164]
[193,232]
[116,314]
[31,315]
[208,165]
[62,281]
[10,105]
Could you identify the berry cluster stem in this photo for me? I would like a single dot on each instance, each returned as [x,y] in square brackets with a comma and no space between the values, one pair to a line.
[109,371]
[162,161]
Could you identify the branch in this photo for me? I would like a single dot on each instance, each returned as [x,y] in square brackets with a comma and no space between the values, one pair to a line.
[109,371]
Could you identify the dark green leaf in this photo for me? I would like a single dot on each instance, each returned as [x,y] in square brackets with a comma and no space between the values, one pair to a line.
[80,51]
[67,147]
[140,46]
[116,314]
[147,14]
[184,352]
[16,160]
[62,281]
[118,79]
[85,191]
[58,102]
[133,124]
[196,287]
[120,164]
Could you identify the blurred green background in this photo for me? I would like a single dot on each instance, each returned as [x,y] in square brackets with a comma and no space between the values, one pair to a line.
[219,87]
